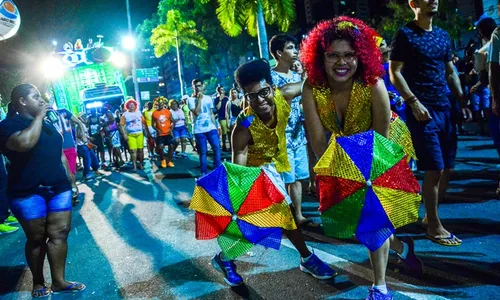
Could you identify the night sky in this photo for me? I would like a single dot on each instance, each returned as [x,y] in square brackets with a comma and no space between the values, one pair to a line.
[67,20]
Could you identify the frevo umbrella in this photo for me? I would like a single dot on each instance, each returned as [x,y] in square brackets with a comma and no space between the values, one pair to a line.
[241,207]
[366,188]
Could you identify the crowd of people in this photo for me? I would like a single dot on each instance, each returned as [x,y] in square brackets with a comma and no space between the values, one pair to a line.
[342,81]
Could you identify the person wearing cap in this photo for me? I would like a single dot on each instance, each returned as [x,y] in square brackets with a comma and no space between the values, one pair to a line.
[132,123]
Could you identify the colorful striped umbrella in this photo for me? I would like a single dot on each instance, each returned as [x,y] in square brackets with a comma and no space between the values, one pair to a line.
[366,188]
[241,207]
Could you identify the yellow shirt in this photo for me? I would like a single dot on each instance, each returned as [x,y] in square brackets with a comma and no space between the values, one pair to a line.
[269,144]
[358,117]
[148,116]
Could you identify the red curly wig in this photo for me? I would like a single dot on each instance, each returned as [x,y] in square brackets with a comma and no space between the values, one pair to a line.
[362,39]
[130,101]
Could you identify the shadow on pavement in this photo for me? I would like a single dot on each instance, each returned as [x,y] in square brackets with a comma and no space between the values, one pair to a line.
[9,278]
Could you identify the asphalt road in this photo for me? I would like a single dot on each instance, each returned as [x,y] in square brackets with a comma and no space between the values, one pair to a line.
[133,237]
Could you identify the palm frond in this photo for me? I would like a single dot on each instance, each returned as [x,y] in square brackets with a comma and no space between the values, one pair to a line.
[162,39]
[281,13]
[228,14]
[251,18]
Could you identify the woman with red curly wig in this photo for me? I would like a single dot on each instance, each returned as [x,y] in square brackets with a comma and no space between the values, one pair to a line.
[132,123]
[345,95]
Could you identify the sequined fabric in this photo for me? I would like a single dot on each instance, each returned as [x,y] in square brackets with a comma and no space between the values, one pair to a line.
[241,207]
[358,117]
[269,143]
[366,188]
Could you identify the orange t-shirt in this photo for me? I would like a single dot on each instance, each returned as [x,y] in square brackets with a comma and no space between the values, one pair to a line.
[163,121]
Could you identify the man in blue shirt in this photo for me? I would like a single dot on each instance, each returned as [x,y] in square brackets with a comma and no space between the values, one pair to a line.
[423,52]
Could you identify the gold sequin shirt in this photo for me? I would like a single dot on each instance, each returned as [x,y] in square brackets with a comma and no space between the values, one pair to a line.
[358,117]
[269,144]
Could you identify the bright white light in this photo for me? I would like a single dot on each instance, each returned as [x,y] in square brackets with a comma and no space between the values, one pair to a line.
[128,43]
[96,104]
[52,68]
[54,43]
[118,59]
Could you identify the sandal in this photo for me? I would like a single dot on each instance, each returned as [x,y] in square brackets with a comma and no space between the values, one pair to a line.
[309,224]
[41,292]
[444,241]
[74,287]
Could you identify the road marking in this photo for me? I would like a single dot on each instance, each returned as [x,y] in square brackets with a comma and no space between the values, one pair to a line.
[409,290]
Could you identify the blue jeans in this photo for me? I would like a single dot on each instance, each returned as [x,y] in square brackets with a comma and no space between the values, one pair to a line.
[201,142]
[4,206]
[89,159]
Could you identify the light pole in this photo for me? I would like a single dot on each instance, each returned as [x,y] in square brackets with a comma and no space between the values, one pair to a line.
[134,69]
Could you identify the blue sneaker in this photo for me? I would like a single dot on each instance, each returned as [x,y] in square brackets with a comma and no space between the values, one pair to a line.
[374,294]
[317,268]
[228,268]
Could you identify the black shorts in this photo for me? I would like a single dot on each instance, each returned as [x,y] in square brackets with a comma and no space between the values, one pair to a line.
[165,140]
[97,140]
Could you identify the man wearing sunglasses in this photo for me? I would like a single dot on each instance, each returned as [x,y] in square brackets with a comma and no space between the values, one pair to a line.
[259,138]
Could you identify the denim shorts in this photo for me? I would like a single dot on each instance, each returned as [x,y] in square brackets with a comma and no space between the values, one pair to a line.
[40,204]
[180,132]
[299,164]
[481,100]
[435,141]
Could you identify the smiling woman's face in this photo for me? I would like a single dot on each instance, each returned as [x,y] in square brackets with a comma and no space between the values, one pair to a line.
[340,61]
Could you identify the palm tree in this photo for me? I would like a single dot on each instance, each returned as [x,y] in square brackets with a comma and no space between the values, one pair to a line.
[176,32]
[234,15]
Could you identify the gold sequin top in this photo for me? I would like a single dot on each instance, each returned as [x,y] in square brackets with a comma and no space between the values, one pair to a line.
[269,144]
[358,117]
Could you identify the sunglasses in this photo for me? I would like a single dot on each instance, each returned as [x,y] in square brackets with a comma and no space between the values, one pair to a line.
[263,93]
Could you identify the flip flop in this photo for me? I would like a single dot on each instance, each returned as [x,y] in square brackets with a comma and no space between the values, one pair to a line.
[41,293]
[442,241]
[74,287]
[75,193]
[308,223]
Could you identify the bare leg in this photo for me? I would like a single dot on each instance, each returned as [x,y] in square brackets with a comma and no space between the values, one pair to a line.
[176,144]
[58,227]
[170,153]
[140,158]
[103,157]
[431,190]
[297,239]
[133,156]
[183,145]
[35,248]
[378,259]
[295,192]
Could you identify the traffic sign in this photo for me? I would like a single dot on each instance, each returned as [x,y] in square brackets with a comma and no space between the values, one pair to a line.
[147,75]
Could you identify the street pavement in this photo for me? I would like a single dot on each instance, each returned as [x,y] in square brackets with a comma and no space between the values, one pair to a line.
[133,237]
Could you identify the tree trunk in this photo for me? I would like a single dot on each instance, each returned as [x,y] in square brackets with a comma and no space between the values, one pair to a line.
[261,32]
[179,66]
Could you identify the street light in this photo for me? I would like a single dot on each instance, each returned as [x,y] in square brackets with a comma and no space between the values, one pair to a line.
[134,71]
[52,68]
[54,42]
[128,43]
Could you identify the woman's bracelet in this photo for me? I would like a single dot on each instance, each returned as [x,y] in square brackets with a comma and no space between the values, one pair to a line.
[411,100]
